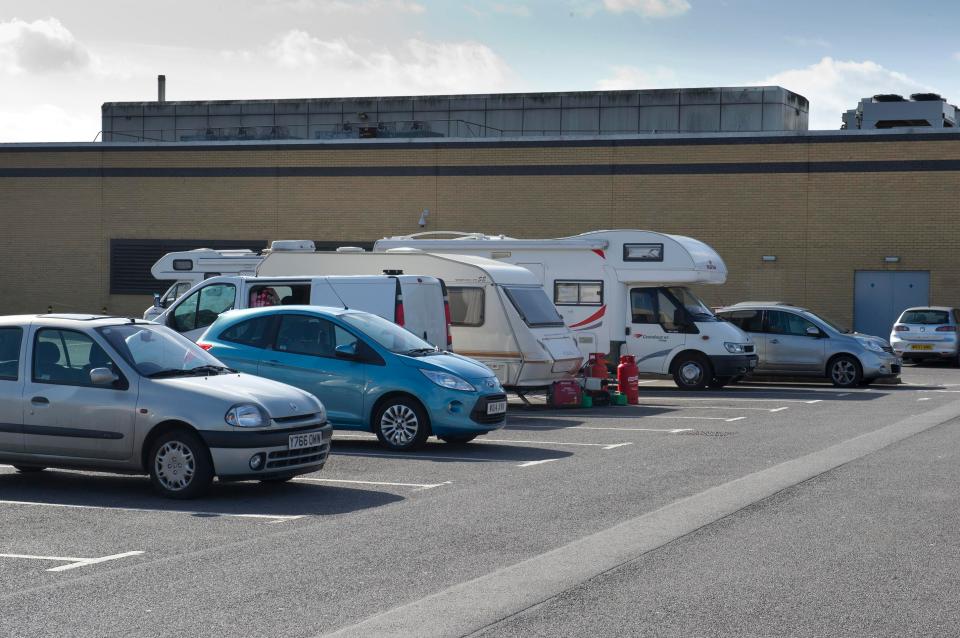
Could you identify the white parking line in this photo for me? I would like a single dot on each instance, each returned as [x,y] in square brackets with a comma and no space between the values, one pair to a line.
[73,561]
[706,407]
[694,418]
[736,418]
[541,462]
[814,401]
[780,409]
[273,518]
[924,399]
[425,457]
[742,400]
[604,446]
[419,486]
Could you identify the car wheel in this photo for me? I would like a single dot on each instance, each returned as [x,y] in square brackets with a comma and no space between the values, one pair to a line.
[719,382]
[458,439]
[845,371]
[29,469]
[401,424]
[180,465]
[692,372]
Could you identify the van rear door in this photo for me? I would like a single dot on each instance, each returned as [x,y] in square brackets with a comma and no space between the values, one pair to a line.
[424,314]
[375,294]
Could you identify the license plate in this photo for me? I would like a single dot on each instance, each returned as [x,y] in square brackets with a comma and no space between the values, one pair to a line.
[300,441]
[921,346]
[497,407]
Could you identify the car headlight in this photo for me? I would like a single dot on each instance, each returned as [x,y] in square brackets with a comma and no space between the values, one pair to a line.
[446,380]
[245,415]
[871,345]
[734,348]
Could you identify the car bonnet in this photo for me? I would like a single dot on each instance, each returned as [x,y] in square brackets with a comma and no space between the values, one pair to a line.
[279,399]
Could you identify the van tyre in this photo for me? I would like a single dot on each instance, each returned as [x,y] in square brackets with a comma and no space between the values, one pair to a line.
[692,372]
[457,439]
[401,424]
[845,371]
[180,465]
[29,469]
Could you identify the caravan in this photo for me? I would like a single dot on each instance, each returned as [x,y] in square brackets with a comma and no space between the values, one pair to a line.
[499,313]
[623,292]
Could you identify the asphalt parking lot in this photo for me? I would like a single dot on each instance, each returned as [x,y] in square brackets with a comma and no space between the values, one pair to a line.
[378,537]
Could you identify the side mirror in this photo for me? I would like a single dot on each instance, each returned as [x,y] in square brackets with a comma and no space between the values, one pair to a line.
[813,332]
[346,351]
[156,301]
[103,376]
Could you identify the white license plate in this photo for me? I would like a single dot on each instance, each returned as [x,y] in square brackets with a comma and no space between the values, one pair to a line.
[497,407]
[299,441]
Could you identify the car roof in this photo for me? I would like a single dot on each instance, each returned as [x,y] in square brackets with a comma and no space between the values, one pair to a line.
[945,308]
[247,313]
[763,305]
[77,320]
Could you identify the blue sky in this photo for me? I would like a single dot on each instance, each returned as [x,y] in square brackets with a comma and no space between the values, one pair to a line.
[59,59]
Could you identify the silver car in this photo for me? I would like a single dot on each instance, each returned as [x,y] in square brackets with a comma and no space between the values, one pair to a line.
[925,333]
[793,341]
[110,394]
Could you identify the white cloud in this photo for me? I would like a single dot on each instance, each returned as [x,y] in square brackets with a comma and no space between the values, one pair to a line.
[346,6]
[649,8]
[631,77]
[40,46]
[48,123]
[413,66]
[835,86]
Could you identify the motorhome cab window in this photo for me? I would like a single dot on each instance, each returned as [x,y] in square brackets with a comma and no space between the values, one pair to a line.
[578,293]
[466,306]
[202,308]
[660,306]
[277,295]
[534,306]
[698,311]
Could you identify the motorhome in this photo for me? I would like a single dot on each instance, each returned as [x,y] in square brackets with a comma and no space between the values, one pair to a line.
[499,313]
[623,292]
[187,268]
[418,303]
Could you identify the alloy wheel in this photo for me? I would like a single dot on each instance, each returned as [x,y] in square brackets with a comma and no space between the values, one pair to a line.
[399,424]
[844,372]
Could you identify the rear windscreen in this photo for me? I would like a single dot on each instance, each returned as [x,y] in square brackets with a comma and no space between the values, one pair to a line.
[925,317]
[534,306]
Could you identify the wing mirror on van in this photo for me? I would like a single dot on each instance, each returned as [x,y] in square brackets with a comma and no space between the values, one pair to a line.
[103,376]
[156,301]
[813,331]
[346,351]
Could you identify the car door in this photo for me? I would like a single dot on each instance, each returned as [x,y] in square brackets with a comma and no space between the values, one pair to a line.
[194,314]
[788,347]
[11,389]
[652,331]
[65,414]
[303,355]
[751,322]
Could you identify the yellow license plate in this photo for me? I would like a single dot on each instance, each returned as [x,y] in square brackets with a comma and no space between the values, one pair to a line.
[921,346]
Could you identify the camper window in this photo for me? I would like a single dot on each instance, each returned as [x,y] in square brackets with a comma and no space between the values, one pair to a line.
[577,293]
[534,306]
[643,252]
[466,306]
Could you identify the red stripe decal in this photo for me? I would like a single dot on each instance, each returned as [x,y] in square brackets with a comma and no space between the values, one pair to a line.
[592,317]
[599,252]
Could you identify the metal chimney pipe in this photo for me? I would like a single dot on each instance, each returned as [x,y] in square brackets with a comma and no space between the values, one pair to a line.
[161,88]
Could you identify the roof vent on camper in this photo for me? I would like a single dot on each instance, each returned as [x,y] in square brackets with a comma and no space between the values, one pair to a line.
[350,249]
[293,246]
[888,97]
[405,249]
[927,97]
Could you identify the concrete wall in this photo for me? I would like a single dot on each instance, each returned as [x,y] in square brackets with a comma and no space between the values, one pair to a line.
[826,206]
[768,108]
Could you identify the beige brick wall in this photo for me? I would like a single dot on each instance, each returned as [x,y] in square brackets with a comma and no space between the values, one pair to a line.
[821,226]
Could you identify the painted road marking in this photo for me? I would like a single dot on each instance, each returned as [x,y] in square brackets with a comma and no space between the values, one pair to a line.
[705,407]
[736,418]
[425,457]
[780,409]
[541,462]
[73,561]
[814,401]
[604,446]
[273,518]
[419,486]
[598,427]
[924,399]
[742,400]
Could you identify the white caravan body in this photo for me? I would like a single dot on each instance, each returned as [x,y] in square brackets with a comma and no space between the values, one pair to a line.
[620,291]
[414,302]
[499,312]
[186,268]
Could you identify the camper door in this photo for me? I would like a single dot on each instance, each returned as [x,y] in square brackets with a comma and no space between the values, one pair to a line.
[657,326]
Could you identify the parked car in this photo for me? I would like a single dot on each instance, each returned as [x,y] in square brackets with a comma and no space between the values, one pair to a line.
[928,332]
[112,394]
[794,341]
[370,373]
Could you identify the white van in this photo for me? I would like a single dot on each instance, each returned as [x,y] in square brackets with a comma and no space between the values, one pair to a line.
[186,268]
[417,303]
[623,292]
[499,313]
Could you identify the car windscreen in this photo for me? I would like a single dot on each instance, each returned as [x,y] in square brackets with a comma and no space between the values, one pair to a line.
[697,309]
[534,306]
[156,350]
[387,334]
[925,317]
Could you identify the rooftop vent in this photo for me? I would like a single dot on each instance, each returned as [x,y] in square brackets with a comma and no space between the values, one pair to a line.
[927,97]
[888,97]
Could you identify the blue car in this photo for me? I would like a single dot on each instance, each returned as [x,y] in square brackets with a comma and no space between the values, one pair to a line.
[369,373]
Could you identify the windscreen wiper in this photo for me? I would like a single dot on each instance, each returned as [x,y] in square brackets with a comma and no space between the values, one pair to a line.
[416,351]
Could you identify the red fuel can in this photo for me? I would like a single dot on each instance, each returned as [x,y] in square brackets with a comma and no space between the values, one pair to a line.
[628,378]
